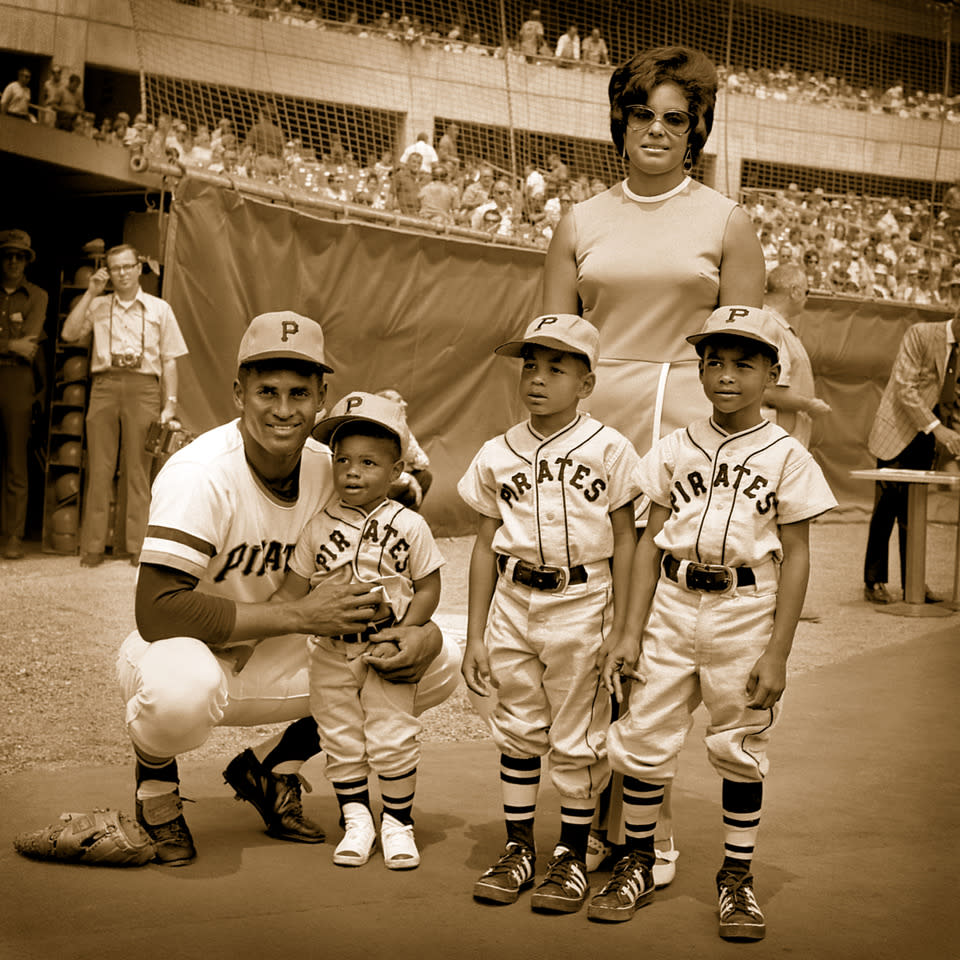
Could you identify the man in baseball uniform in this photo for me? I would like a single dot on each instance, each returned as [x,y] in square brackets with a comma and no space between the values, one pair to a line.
[717,586]
[209,649]
[554,496]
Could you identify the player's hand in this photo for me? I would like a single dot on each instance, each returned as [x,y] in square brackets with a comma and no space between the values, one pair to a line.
[238,656]
[25,346]
[766,682]
[335,606]
[403,654]
[618,662]
[818,407]
[98,281]
[476,669]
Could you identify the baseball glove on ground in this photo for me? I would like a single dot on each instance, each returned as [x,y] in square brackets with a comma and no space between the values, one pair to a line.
[103,838]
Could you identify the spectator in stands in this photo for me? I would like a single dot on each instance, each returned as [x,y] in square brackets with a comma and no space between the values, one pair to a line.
[447,147]
[438,198]
[192,156]
[69,103]
[15,99]
[52,85]
[266,141]
[594,49]
[476,46]
[501,200]
[136,135]
[531,37]
[568,45]
[422,146]
[475,194]
[816,279]
[121,127]
[406,185]
[534,187]
[558,174]
[104,133]
[337,188]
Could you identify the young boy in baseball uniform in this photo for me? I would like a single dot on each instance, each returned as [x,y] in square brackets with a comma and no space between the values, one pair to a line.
[554,495]
[365,722]
[717,586]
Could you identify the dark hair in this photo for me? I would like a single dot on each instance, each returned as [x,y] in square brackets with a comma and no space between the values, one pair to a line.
[721,340]
[634,81]
[365,428]
[303,368]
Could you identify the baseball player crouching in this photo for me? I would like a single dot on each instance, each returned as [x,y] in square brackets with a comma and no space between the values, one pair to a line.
[209,648]
[717,586]
[554,544]
[365,721]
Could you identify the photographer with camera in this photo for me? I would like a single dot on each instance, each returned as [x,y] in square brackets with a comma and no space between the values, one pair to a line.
[133,365]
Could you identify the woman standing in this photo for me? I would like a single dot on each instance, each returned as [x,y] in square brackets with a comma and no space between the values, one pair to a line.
[647,261]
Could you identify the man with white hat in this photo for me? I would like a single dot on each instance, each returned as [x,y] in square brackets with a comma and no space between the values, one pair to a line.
[23,310]
[209,649]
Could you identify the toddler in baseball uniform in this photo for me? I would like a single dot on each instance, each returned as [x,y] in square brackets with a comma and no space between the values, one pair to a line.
[554,496]
[367,723]
[717,586]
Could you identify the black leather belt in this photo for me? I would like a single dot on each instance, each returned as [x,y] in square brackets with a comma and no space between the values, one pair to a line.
[539,577]
[712,577]
[370,632]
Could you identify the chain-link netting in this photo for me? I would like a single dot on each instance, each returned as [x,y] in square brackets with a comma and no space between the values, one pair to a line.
[846,107]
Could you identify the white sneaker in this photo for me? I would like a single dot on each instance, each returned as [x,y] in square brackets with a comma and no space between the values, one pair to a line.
[665,868]
[359,837]
[399,848]
[597,851]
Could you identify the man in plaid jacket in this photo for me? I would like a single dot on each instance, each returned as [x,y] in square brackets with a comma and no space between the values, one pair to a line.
[917,413]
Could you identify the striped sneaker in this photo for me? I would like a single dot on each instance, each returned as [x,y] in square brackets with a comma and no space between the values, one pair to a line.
[564,889]
[512,873]
[629,888]
[740,915]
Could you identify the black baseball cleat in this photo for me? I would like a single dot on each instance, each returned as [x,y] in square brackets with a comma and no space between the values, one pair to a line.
[276,797]
[162,818]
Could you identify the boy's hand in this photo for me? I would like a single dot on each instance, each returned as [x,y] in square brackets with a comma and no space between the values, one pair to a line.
[476,669]
[620,661]
[766,683]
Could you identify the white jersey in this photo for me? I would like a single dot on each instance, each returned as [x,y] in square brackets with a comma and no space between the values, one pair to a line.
[729,492]
[212,518]
[553,494]
[391,545]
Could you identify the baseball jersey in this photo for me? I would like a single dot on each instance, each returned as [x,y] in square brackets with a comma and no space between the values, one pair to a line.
[553,494]
[796,373]
[212,518]
[391,545]
[727,493]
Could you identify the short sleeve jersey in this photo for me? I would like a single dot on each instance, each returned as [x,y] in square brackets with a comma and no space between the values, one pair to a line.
[554,494]
[391,545]
[727,493]
[212,518]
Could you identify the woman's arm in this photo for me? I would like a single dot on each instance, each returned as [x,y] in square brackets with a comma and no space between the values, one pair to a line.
[743,274]
[559,293]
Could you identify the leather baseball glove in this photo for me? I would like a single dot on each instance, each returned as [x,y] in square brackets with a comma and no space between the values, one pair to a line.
[102,838]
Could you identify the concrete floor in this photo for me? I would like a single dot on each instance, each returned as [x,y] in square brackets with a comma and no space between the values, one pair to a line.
[856,860]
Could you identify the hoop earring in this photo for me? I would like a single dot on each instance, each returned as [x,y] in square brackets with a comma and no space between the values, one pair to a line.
[687,161]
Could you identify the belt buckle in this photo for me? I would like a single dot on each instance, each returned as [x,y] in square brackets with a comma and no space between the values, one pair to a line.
[705,573]
[548,579]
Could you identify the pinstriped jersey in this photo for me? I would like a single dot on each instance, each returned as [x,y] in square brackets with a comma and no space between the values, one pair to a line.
[727,493]
[390,545]
[213,519]
[554,494]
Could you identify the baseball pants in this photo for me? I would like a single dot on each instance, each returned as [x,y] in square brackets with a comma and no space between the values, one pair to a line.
[366,723]
[698,647]
[543,649]
[177,690]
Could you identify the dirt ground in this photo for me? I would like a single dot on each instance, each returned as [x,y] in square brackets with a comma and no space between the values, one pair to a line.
[60,626]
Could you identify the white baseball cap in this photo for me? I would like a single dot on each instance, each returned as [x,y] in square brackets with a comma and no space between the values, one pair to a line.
[562,331]
[362,406]
[740,321]
[283,334]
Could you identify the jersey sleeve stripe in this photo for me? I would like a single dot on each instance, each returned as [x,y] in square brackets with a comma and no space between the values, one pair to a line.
[184,539]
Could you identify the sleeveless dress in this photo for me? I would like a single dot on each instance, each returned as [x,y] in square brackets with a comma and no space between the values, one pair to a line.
[648,275]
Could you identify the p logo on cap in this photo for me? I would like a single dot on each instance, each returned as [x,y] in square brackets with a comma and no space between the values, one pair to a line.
[362,406]
[283,335]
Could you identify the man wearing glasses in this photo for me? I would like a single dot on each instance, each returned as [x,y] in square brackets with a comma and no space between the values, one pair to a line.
[133,363]
[23,309]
